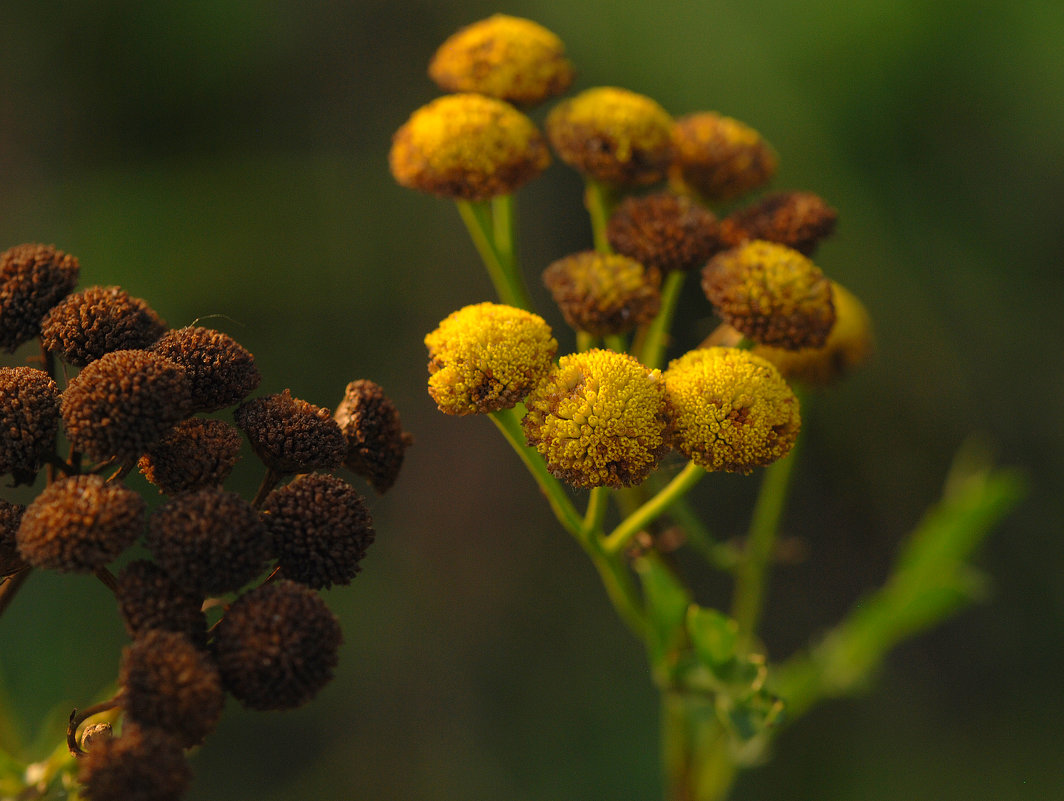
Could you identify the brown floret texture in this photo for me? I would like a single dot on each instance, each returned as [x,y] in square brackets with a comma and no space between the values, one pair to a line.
[664,231]
[33,278]
[144,764]
[799,220]
[86,325]
[148,599]
[196,453]
[29,420]
[221,371]
[376,442]
[290,435]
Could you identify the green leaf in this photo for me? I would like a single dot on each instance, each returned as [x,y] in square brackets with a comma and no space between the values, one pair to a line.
[714,636]
[667,600]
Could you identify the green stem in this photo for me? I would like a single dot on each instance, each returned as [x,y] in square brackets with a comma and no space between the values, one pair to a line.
[619,538]
[491,229]
[585,341]
[653,339]
[599,200]
[717,554]
[620,586]
[616,343]
[694,749]
[595,514]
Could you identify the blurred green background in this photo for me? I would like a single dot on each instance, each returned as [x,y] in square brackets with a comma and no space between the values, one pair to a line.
[226,161]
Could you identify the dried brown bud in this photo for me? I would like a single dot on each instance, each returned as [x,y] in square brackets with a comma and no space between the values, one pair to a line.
[86,325]
[149,599]
[603,293]
[375,437]
[290,435]
[798,220]
[33,278]
[196,453]
[718,157]
[29,420]
[221,372]
[141,765]
[664,231]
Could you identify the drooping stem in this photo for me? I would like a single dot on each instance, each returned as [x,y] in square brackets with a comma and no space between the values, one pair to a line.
[491,229]
[652,339]
[619,538]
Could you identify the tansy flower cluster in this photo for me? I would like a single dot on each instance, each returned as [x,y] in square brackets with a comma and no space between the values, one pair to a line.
[225,600]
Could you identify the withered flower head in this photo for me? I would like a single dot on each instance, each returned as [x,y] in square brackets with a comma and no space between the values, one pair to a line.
[29,420]
[144,764]
[277,646]
[510,58]
[719,158]
[664,231]
[320,528]
[375,437]
[209,541]
[86,325]
[149,599]
[603,293]
[196,453]
[467,147]
[774,295]
[221,371]
[33,278]
[170,684]
[290,435]
[80,523]
[123,403]
[613,136]
[798,220]
[10,517]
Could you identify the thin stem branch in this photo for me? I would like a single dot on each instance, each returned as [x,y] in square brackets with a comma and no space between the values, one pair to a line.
[619,538]
[480,220]
[595,513]
[653,338]
[599,200]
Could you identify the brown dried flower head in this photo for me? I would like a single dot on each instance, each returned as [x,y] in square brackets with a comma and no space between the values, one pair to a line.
[772,294]
[29,420]
[221,371]
[375,438]
[123,403]
[148,599]
[277,646]
[86,325]
[196,453]
[603,293]
[798,220]
[719,158]
[664,231]
[33,278]
[290,435]
[144,764]
[80,523]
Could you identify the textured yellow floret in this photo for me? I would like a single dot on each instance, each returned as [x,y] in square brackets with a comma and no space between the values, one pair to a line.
[718,157]
[467,146]
[603,293]
[773,294]
[487,357]
[598,419]
[613,135]
[506,57]
[730,410]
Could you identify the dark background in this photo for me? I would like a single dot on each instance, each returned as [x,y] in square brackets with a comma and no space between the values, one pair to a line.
[226,161]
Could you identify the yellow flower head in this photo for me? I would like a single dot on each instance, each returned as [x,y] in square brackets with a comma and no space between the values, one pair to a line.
[612,135]
[467,147]
[719,158]
[731,410]
[798,220]
[603,293]
[506,57]
[773,294]
[487,357]
[598,419]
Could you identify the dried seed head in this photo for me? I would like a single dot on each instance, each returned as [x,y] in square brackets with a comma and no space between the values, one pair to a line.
[29,420]
[603,293]
[141,765]
[196,453]
[798,220]
[33,278]
[719,158]
[467,147]
[506,57]
[290,435]
[598,419]
[730,410]
[10,518]
[80,523]
[487,357]
[84,326]
[774,295]
[320,528]
[221,372]
[277,646]
[664,231]
[94,734]
[170,684]
[148,599]
[613,136]
[123,403]
[209,541]
[375,437]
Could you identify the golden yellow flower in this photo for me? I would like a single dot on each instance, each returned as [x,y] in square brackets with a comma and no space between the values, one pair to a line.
[598,419]
[731,410]
[719,158]
[510,58]
[773,294]
[487,357]
[603,293]
[468,147]
[613,135]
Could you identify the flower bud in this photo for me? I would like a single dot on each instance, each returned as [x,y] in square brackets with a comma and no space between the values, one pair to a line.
[86,325]
[798,220]
[664,231]
[719,158]
[603,293]
[33,278]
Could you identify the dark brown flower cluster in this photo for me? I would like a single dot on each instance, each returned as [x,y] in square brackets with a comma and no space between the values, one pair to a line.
[228,601]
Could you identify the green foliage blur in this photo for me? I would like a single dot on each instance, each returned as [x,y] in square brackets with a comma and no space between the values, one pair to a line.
[227,162]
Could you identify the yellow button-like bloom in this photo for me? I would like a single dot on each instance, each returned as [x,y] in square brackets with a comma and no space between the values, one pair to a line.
[773,294]
[613,135]
[469,147]
[487,357]
[598,419]
[731,410]
[506,57]
[719,158]
[603,293]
